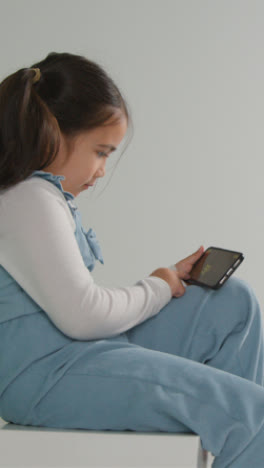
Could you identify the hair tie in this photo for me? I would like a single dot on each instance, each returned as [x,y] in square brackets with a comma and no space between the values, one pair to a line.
[37,75]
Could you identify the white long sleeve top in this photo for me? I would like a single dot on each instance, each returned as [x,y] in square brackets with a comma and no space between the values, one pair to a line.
[39,250]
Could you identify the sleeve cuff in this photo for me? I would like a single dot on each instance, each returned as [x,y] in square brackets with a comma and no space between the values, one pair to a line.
[163,290]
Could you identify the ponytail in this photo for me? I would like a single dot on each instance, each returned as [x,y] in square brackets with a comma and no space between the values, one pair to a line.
[29,133]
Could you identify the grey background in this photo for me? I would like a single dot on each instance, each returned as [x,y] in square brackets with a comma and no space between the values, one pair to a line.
[192,72]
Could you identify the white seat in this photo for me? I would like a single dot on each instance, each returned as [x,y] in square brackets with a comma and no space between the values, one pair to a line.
[27,446]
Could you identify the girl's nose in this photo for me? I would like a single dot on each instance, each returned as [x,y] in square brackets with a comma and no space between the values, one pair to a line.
[101,172]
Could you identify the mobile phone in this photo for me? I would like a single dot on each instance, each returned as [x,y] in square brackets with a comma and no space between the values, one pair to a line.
[214,267]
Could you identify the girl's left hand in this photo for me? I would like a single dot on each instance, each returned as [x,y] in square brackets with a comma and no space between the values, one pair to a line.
[184,266]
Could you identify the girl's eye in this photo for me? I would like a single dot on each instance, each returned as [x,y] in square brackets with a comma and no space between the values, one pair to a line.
[101,154]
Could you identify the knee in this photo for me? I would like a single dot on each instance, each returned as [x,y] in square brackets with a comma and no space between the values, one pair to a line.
[241,288]
[243,295]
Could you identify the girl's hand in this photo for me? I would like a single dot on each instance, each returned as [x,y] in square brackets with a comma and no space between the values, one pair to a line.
[172,278]
[185,266]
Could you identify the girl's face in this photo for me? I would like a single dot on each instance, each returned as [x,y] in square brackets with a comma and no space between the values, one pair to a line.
[82,159]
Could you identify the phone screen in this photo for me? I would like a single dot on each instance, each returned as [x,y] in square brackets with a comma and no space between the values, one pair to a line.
[214,264]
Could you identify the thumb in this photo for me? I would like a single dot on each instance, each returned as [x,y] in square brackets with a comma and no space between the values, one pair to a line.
[196,255]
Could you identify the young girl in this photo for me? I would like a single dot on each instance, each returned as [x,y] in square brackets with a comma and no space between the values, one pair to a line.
[155,356]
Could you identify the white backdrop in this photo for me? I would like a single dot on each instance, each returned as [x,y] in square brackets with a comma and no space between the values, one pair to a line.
[192,72]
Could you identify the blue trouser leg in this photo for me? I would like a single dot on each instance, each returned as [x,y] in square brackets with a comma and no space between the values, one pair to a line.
[145,386]
[128,387]
[221,328]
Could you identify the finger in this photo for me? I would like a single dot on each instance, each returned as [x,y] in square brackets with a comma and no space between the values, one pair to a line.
[187,263]
[186,273]
[196,255]
[189,258]
[180,291]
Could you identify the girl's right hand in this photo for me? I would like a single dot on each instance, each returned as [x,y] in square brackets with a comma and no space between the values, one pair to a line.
[172,278]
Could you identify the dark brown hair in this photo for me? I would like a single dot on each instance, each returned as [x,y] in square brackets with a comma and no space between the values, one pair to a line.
[72,95]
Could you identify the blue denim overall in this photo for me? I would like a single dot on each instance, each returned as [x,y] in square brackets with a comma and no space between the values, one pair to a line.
[197,366]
